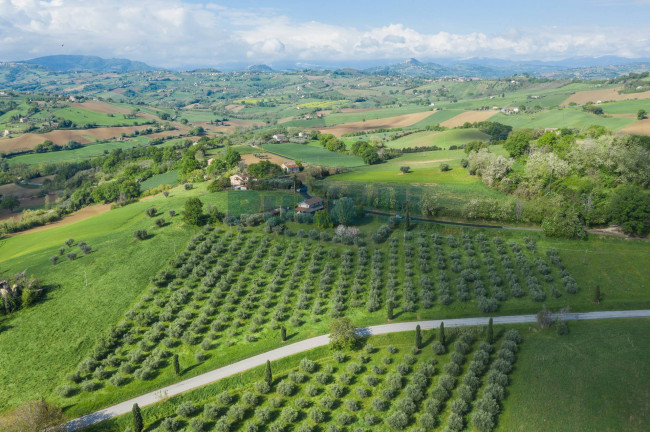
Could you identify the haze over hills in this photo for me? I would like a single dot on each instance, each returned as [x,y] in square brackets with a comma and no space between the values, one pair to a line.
[486,68]
[85,63]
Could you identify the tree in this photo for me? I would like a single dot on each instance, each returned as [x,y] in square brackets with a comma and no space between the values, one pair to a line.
[231,158]
[518,142]
[408,215]
[193,211]
[137,424]
[418,336]
[597,295]
[563,222]
[34,416]
[342,333]
[428,204]
[322,219]
[630,207]
[490,335]
[389,310]
[442,333]
[344,211]
[9,202]
[640,115]
[405,169]
[283,333]
[177,366]
[268,375]
[370,156]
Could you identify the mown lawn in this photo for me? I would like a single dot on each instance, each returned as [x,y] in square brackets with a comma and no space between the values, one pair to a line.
[596,378]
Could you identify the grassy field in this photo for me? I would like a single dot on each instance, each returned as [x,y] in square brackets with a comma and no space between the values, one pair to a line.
[595,378]
[73,314]
[82,116]
[561,118]
[339,118]
[314,155]
[443,139]
[626,107]
[82,153]
[168,178]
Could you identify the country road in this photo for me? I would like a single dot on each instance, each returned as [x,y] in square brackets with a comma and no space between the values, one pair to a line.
[308,344]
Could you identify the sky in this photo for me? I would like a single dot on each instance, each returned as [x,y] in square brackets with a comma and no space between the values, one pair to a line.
[193,33]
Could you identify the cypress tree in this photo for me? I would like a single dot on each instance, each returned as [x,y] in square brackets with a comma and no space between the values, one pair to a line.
[408,215]
[177,366]
[389,310]
[442,333]
[283,332]
[597,294]
[138,424]
[490,334]
[268,375]
[418,337]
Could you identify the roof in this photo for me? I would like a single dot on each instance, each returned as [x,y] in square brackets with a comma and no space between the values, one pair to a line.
[290,165]
[313,200]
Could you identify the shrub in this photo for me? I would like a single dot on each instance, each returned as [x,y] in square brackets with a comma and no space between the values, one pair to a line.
[337,391]
[170,424]
[327,403]
[307,365]
[316,415]
[222,425]
[406,405]
[151,211]
[263,414]
[262,387]
[439,348]
[140,234]
[54,259]
[224,398]
[444,167]
[483,421]
[427,421]
[65,390]
[71,256]
[186,409]
[380,404]
[197,424]
[236,412]
[289,414]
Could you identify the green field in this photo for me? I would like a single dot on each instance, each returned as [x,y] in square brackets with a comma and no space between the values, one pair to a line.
[626,107]
[595,378]
[86,152]
[443,139]
[571,118]
[82,116]
[168,178]
[72,315]
[339,118]
[313,155]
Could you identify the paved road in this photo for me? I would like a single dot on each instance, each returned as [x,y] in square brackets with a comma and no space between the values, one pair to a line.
[305,345]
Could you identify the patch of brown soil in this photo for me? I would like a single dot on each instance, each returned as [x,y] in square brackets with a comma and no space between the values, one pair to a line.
[640,127]
[389,122]
[583,97]
[234,107]
[251,158]
[467,116]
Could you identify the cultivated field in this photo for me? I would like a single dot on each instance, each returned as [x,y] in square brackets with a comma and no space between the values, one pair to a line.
[252,158]
[603,95]
[640,127]
[389,122]
[468,116]
[313,155]
[444,139]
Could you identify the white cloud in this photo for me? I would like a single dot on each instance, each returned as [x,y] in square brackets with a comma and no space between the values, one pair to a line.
[174,33]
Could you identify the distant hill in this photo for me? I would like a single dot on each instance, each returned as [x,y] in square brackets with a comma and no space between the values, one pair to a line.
[68,63]
[416,68]
[259,68]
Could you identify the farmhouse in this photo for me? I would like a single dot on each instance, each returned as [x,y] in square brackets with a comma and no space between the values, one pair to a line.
[290,167]
[280,138]
[240,181]
[311,205]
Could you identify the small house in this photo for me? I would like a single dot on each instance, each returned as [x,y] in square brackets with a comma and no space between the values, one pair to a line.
[6,133]
[311,205]
[240,181]
[290,167]
[280,138]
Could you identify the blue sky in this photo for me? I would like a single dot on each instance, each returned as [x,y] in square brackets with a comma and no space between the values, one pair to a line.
[188,33]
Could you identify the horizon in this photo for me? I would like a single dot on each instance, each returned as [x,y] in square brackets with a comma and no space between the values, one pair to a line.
[175,34]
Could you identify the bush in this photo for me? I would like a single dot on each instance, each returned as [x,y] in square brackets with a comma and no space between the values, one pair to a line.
[286,388]
[483,421]
[210,411]
[186,409]
[427,421]
[444,167]
[65,390]
[262,387]
[316,415]
[289,414]
[140,234]
[439,348]
[170,424]
[197,424]
[89,386]
[71,256]
[307,365]
[224,398]
[151,211]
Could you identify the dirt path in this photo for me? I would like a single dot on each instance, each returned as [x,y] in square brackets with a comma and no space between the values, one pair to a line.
[309,344]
